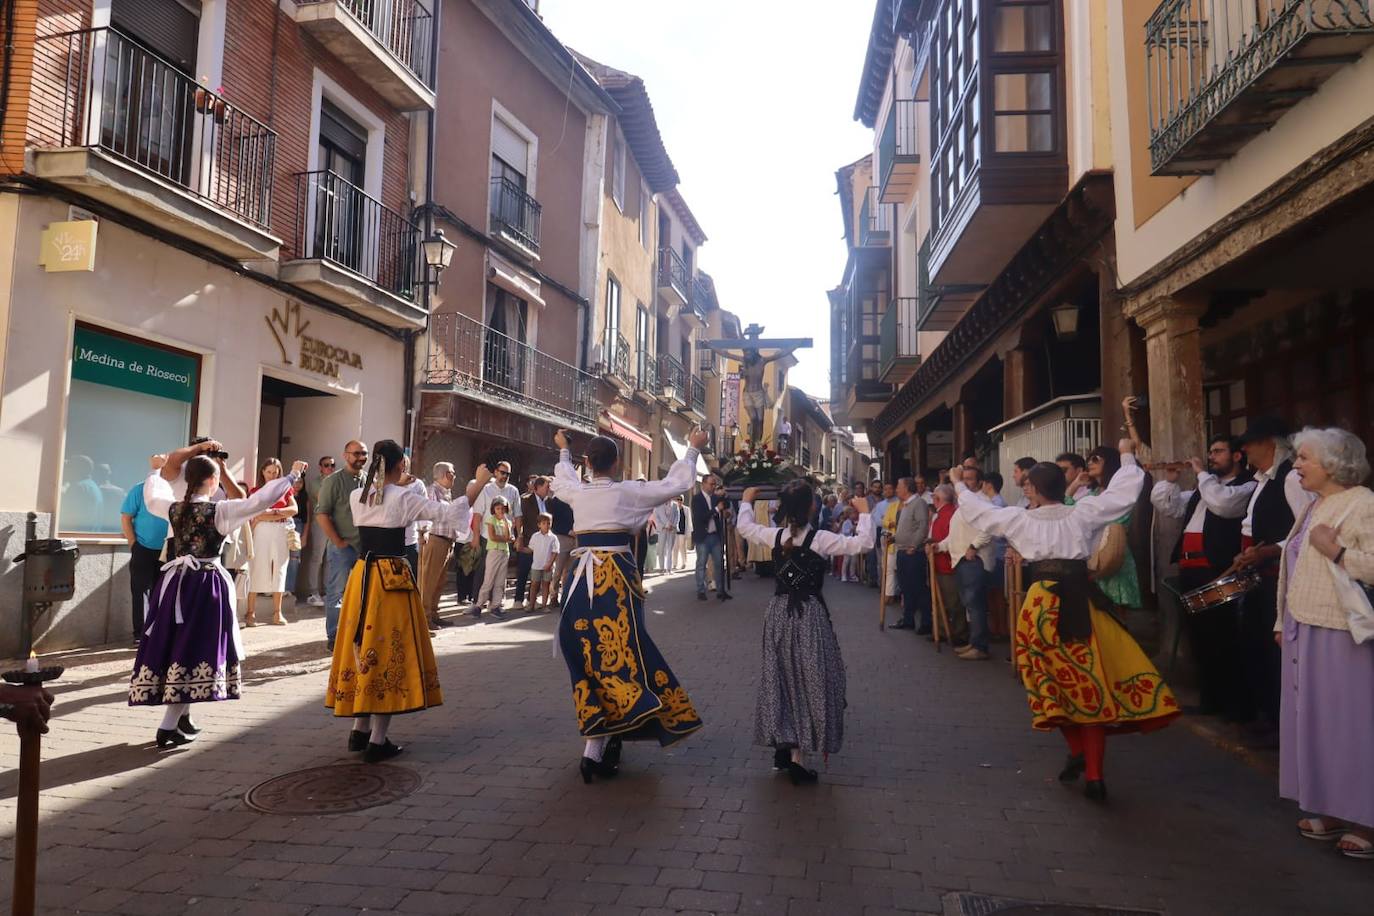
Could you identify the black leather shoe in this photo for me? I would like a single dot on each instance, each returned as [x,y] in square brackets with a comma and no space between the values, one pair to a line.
[1095,790]
[170,737]
[923,631]
[724,596]
[902,626]
[357,741]
[187,727]
[611,756]
[782,758]
[701,596]
[595,769]
[1073,768]
[800,775]
[376,753]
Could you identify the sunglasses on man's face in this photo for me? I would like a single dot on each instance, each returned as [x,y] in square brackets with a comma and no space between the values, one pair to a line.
[326,464]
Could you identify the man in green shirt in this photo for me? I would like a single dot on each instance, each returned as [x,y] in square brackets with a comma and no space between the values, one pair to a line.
[334,519]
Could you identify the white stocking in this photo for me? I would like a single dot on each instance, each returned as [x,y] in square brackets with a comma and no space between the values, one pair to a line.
[797,756]
[594,749]
[362,723]
[379,726]
[172,714]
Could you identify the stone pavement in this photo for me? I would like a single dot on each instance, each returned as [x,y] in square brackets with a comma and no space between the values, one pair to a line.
[942,788]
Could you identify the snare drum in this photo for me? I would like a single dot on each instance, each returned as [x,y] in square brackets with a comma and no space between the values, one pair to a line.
[1220,591]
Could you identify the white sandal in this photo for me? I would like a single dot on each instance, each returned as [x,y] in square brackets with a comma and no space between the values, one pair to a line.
[1322,828]
[1354,846]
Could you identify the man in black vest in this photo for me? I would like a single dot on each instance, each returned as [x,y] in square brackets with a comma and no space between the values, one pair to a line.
[1206,547]
[1277,499]
[563,525]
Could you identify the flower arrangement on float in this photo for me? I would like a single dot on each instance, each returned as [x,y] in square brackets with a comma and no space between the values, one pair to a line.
[758,466]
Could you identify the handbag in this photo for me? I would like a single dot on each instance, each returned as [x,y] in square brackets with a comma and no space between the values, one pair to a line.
[293,538]
[395,574]
[1110,554]
[1353,594]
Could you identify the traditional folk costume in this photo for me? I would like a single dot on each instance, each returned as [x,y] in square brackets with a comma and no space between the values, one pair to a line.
[801,698]
[622,687]
[385,666]
[1082,671]
[191,647]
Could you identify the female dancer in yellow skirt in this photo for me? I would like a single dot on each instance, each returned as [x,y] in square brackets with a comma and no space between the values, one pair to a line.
[383,661]
[1083,672]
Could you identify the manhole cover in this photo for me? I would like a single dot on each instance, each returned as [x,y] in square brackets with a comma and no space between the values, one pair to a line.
[983,905]
[333,789]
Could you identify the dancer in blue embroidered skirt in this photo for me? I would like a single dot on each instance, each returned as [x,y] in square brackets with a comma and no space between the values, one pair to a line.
[191,649]
[802,686]
[623,690]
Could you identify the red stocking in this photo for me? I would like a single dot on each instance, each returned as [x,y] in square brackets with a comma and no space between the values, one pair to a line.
[1094,749]
[1073,734]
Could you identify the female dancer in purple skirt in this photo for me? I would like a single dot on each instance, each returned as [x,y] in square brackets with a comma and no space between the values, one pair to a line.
[191,649]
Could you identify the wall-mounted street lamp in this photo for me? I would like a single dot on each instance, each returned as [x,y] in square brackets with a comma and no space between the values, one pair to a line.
[1065,319]
[438,253]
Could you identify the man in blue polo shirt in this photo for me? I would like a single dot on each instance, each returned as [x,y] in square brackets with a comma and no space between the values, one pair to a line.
[145,533]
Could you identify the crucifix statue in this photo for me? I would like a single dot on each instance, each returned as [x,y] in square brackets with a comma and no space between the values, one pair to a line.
[754,354]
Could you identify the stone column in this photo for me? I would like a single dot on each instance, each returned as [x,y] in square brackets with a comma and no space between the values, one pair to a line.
[1174,361]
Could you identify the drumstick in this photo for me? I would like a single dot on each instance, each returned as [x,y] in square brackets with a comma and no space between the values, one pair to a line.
[1235,565]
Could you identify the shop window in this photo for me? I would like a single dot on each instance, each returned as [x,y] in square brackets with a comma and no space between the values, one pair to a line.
[128,400]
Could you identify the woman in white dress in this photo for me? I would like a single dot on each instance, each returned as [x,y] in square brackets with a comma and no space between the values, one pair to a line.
[271,548]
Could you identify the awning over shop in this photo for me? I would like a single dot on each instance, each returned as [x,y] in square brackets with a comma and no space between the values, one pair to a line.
[679,450]
[514,280]
[618,427]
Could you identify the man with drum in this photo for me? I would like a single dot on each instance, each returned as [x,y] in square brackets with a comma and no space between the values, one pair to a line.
[1205,549]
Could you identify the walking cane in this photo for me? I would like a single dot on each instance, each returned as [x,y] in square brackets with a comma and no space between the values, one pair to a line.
[26,809]
[882,586]
[937,603]
[1013,607]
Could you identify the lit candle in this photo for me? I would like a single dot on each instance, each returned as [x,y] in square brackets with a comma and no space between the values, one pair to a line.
[31,666]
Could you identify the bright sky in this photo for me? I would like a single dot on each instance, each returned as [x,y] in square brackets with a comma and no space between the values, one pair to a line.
[755,101]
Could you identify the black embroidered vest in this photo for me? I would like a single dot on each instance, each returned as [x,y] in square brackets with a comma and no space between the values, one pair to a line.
[193,530]
[1220,536]
[798,572]
[1273,517]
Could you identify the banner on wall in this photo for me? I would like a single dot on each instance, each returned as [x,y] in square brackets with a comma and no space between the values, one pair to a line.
[729,401]
[118,362]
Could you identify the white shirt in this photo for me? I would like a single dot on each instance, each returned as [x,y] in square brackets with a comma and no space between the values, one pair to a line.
[490,492]
[440,494]
[1056,532]
[785,429]
[1217,497]
[402,505]
[826,543]
[962,536]
[606,505]
[159,494]
[929,497]
[417,487]
[545,549]
[665,518]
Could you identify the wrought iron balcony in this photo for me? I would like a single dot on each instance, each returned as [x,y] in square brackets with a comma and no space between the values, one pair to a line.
[615,357]
[673,274]
[706,361]
[467,355]
[99,93]
[337,222]
[900,353]
[697,399]
[898,156]
[875,221]
[672,379]
[515,214]
[646,372]
[1220,72]
[701,297]
[386,42]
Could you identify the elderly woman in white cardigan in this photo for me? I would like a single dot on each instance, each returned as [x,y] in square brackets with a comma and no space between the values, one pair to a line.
[1326,725]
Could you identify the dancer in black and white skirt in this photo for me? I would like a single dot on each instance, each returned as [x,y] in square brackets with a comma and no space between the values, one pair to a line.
[802,688]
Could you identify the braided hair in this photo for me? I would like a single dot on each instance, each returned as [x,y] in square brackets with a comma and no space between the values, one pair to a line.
[385,454]
[198,469]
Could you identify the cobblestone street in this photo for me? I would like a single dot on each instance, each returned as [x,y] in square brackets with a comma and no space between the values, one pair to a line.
[942,788]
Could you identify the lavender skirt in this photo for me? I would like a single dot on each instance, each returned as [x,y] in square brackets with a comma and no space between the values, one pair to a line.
[194,659]
[1326,724]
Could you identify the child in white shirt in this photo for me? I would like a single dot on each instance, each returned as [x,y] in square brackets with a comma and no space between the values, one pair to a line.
[544,544]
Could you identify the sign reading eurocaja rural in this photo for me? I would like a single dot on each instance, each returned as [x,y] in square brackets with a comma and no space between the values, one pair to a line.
[313,354]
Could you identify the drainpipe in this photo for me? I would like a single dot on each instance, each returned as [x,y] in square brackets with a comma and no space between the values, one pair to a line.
[9,61]
[428,229]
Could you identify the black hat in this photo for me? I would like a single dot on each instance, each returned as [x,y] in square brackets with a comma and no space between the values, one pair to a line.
[1262,428]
